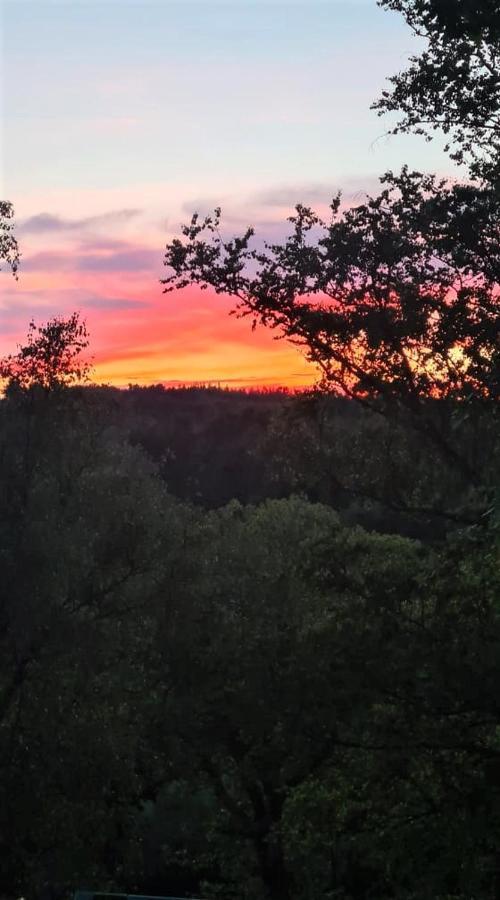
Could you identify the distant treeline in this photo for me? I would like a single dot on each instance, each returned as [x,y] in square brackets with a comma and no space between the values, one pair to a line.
[213,445]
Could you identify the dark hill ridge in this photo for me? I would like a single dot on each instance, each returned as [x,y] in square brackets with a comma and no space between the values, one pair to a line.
[205,440]
[211,445]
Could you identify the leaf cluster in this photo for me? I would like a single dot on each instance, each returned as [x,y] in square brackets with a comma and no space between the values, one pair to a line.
[9,249]
[51,357]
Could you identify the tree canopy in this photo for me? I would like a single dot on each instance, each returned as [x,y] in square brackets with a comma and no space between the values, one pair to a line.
[396,297]
[395,300]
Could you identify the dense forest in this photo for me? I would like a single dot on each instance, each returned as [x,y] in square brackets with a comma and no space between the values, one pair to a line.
[294,691]
[250,642]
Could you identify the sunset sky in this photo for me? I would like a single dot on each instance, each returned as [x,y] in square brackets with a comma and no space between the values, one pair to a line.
[121,118]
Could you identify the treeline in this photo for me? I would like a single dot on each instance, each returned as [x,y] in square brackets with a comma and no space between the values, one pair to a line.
[252,700]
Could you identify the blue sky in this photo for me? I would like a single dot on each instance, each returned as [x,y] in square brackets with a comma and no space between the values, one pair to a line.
[107,94]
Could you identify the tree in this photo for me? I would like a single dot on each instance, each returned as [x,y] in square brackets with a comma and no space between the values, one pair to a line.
[86,534]
[395,300]
[411,811]
[9,250]
[261,671]
[374,471]
[453,86]
[51,358]
[332,696]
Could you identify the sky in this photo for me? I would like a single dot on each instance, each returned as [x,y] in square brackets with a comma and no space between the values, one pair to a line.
[121,118]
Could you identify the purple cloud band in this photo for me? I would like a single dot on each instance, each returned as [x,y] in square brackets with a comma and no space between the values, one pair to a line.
[45,223]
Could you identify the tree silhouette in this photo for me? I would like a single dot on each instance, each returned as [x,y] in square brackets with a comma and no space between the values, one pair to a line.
[52,355]
[395,300]
[453,86]
[9,250]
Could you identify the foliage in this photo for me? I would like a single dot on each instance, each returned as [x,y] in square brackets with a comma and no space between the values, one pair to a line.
[51,357]
[205,441]
[396,297]
[87,536]
[395,300]
[80,525]
[259,637]
[453,85]
[254,699]
[344,455]
[9,250]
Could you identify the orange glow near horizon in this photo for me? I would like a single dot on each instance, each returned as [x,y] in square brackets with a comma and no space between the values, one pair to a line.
[139,335]
[192,339]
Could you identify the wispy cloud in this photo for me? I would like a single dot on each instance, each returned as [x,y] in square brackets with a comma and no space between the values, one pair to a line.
[134,259]
[139,259]
[45,223]
[202,205]
[290,195]
[22,304]
[353,189]
[267,208]
[110,303]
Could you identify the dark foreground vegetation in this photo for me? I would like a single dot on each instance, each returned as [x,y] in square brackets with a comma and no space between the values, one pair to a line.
[250,644]
[286,697]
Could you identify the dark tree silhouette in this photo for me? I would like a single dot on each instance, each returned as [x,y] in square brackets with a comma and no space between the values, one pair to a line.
[453,86]
[52,355]
[395,300]
[9,250]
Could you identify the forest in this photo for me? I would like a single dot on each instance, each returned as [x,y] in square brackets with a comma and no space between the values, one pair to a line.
[250,641]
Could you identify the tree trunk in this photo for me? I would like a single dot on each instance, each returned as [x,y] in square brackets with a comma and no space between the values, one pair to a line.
[272,868]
